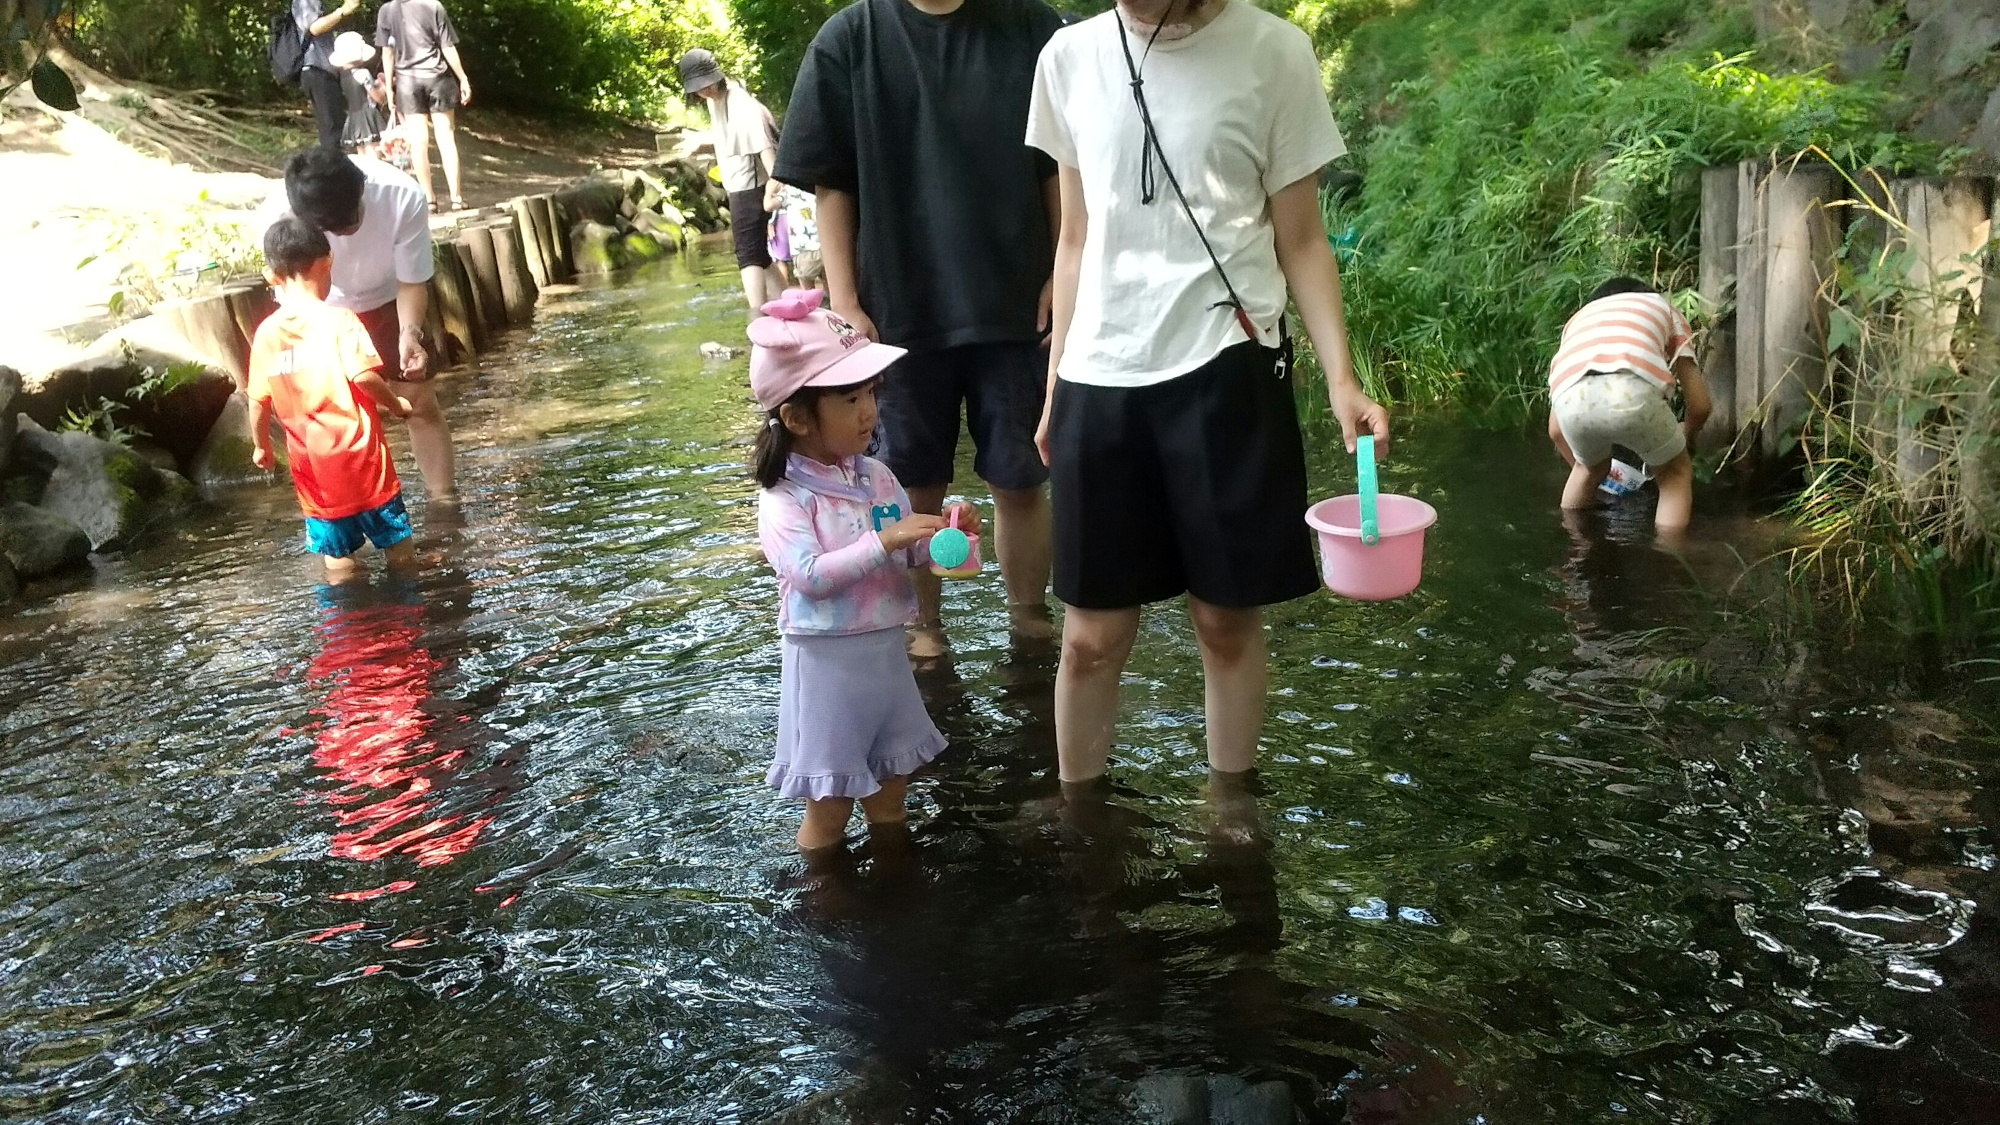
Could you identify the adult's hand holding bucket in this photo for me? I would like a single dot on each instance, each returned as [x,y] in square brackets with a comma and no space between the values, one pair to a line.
[1371,546]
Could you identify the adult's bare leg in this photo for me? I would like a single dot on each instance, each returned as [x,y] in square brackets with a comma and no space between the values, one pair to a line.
[1237,681]
[420,154]
[927,638]
[446,125]
[1021,539]
[1096,645]
[430,439]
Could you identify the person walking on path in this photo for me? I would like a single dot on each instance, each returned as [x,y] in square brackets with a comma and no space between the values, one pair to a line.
[320,78]
[377,222]
[745,136]
[428,82]
[936,229]
[1191,135]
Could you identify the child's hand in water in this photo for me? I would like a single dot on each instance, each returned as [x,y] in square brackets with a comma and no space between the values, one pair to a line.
[968,518]
[264,459]
[403,408]
[910,532]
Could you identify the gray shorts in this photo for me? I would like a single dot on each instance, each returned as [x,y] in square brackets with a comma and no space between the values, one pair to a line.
[1607,408]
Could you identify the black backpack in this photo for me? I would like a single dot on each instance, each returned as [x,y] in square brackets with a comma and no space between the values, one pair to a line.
[288,48]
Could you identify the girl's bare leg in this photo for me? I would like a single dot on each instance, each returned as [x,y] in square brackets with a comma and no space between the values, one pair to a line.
[825,823]
[420,155]
[446,125]
[886,805]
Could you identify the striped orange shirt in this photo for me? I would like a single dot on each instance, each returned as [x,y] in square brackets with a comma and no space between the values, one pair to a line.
[1638,332]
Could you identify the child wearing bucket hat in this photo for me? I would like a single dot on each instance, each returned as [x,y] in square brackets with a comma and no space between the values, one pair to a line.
[361,87]
[837,527]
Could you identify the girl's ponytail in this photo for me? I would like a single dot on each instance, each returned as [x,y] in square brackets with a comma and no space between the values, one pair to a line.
[773,451]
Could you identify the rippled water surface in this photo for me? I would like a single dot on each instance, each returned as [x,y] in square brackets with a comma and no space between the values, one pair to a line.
[1585,831]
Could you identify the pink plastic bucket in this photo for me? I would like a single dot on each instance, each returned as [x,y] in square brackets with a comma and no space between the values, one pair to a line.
[1389,569]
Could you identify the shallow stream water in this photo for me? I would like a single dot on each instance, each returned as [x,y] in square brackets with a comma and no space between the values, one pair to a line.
[1586,830]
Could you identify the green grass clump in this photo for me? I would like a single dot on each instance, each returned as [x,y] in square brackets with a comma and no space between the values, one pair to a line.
[1498,195]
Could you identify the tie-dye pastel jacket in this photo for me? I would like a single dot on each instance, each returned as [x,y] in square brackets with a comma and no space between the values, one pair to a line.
[818,527]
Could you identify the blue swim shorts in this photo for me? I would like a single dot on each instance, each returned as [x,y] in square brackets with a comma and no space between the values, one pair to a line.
[385,527]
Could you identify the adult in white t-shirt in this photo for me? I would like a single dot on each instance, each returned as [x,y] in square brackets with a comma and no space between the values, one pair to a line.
[1176,462]
[378,222]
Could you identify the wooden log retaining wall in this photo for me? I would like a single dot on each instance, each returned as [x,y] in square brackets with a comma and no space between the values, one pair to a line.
[1771,235]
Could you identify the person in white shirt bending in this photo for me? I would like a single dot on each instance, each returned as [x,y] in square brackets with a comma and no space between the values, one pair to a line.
[1190,136]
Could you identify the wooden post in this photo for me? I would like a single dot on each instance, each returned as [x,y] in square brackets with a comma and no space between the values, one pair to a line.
[208,326]
[517,285]
[560,223]
[484,266]
[524,218]
[1751,240]
[462,324]
[250,302]
[1719,214]
[1787,256]
[482,307]
[1946,225]
[540,221]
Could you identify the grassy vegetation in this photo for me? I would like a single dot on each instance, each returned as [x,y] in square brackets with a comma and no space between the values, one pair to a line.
[1517,152]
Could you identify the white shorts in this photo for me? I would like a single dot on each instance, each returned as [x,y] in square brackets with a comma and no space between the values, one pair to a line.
[1603,409]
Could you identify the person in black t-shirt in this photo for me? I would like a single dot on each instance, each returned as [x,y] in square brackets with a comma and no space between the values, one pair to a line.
[937,227]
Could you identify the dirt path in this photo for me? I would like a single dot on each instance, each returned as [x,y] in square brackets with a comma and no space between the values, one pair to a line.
[126,201]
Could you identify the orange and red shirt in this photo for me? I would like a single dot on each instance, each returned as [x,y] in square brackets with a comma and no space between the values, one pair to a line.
[304,362]
[1637,332]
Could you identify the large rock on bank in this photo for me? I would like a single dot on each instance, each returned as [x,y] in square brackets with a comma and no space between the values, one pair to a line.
[37,543]
[224,457]
[109,491]
[165,386]
[10,389]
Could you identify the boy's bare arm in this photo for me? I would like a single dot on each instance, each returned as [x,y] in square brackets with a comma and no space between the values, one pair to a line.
[374,386]
[1694,392]
[260,434]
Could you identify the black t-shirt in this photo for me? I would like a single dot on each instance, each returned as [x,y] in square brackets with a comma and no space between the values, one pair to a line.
[925,118]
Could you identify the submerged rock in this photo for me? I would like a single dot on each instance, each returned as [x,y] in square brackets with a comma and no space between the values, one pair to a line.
[1232,1101]
[1171,1099]
[37,543]
[596,248]
[110,492]
[641,247]
[10,583]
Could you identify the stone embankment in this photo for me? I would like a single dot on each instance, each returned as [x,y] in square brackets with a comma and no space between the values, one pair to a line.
[174,376]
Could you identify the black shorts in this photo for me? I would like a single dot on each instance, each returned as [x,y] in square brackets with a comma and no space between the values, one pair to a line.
[1196,485]
[427,93]
[1001,387]
[750,225]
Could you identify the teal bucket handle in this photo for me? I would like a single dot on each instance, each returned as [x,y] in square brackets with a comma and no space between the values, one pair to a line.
[1371,490]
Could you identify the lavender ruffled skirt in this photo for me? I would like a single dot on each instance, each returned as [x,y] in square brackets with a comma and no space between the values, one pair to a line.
[849,716]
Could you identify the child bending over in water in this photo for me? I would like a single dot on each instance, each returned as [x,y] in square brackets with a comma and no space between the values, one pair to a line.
[1612,382]
[833,523]
[312,365]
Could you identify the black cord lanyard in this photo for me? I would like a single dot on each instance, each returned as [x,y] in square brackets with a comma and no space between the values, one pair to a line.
[1149,189]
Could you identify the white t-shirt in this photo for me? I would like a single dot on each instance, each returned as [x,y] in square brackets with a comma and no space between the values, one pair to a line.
[743,131]
[1241,115]
[393,244]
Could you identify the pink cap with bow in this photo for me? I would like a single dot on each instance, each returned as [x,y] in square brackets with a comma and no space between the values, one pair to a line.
[799,344]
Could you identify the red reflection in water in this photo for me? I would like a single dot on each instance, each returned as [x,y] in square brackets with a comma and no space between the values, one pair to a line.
[382,744]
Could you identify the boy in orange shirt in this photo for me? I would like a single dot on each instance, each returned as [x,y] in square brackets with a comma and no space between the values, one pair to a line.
[312,365]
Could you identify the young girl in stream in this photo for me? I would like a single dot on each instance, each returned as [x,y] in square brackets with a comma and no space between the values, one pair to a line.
[837,527]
